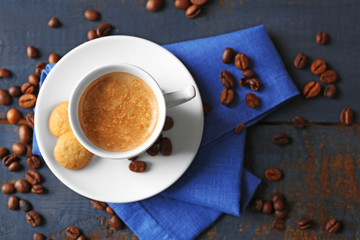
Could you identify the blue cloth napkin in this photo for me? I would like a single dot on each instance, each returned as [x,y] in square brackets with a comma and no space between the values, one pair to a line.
[216,181]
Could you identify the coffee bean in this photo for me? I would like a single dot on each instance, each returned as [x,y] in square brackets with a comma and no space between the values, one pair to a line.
[153,150]
[329,76]
[30,120]
[104,29]
[109,210]
[346,116]
[248,73]
[300,61]
[8,188]
[252,100]
[192,11]
[198,2]
[241,61]
[116,223]
[25,134]
[268,207]
[318,67]
[33,177]
[154,5]
[277,196]
[13,116]
[244,82]
[133,158]
[38,236]
[258,205]
[282,214]
[182,4]
[311,89]
[137,166]
[27,88]
[279,224]
[14,166]
[240,128]
[19,148]
[34,79]
[228,55]
[333,226]
[5,73]
[37,189]
[169,123]
[165,146]
[330,91]
[206,108]
[29,151]
[31,52]
[227,96]
[321,38]
[22,186]
[273,174]
[158,140]
[53,58]
[39,67]
[5,98]
[8,159]
[254,84]
[280,139]
[33,162]
[98,205]
[227,80]
[299,122]
[33,218]
[3,152]
[92,34]
[13,203]
[14,91]
[53,22]
[72,232]
[91,15]
[304,223]
[81,237]
[279,205]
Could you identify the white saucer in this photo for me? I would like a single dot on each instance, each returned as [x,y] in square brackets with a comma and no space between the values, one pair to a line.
[111,180]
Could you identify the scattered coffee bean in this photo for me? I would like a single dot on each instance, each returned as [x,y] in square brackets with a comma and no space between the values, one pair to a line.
[133,158]
[227,80]
[81,237]
[3,152]
[300,61]
[13,116]
[299,122]
[330,91]
[241,61]
[169,123]
[279,224]
[346,116]
[91,15]
[34,79]
[282,214]
[280,139]
[33,177]
[92,34]
[30,120]
[33,162]
[228,55]
[240,128]
[192,11]
[116,223]
[311,89]
[8,159]
[27,88]
[154,5]
[318,67]
[248,73]
[158,140]
[98,205]
[254,84]
[29,151]
[14,166]
[273,174]
[227,96]
[13,203]
[72,232]
[206,108]
[38,236]
[258,205]
[321,38]
[39,67]
[137,166]
[268,207]
[304,223]
[53,58]
[5,98]
[252,100]
[165,146]
[333,226]
[182,4]
[25,134]
[279,205]
[109,210]
[22,186]
[277,196]
[31,52]
[18,148]
[33,218]
[14,91]
[329,76]
[37,189]
[153,150]
[198,2]
[244,82]
[54,22]
[5,73]
[104,29]
[8,188]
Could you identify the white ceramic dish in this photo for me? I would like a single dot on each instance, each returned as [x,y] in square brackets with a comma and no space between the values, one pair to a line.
[107,179]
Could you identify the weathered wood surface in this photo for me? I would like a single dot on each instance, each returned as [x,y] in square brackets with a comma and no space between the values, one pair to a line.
[320,166]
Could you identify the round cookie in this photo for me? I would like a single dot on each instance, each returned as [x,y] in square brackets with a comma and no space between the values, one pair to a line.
[70,153]
[59,120]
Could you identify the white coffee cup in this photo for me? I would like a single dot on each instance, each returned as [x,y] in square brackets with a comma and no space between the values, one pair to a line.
[164,100]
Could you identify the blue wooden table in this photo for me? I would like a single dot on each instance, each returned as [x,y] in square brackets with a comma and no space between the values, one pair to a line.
[321,166]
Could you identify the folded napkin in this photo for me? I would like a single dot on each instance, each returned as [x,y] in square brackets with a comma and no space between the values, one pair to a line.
[216,181]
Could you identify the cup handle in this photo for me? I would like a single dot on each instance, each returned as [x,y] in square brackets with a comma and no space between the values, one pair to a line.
[178,97]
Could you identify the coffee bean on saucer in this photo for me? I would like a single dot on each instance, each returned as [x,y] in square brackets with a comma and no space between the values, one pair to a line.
[33,177]
[98,205]
[91,15]
[192,11]
[53,58]
[346,116]
[25,134]
[318,67]
[333,226]
[299,122]
[169,123]
[33,218]
[273,174]
[252,100]
[30,120]
[154,5]
[22,186]
[33,162]
[3,152]
[8,188]
[72,232]
[198,2]
[228,55]
[39,67]
[311,89]
[38,236]
[53,22]
[18,148]
[8,159]
[227,96]
[321,38]
[31,52]
[116,223]
[165,146]
[153,150]
[240,128]
[137,166]
[5,73]
[329,76]
[34,79]
[182,4]
[258,204]
[280,139]
[227,80]
[13,116]
[279,224]
[300,61]
[104,29]
[330,91]
[14,166]
[304,223]
[268,207]
[241,61]
[109,210]
[14,91]
[206,108]
[92,34]
[13,203]
[5,98]
[248,73]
